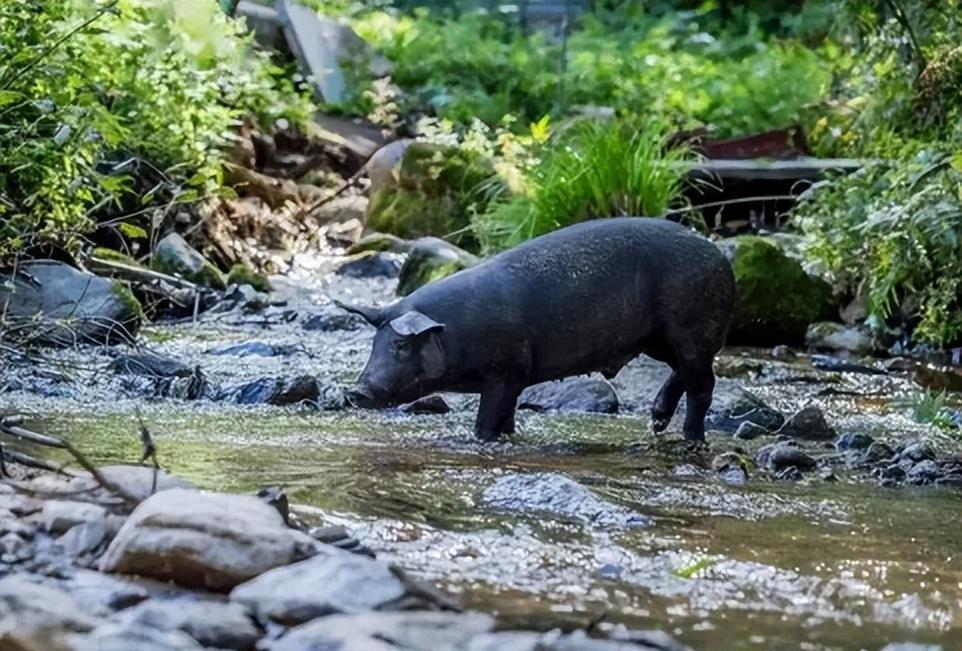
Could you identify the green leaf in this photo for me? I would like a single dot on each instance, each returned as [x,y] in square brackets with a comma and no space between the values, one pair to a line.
[132,231]
[8,97]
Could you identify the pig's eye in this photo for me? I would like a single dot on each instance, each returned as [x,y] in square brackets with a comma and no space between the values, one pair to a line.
[401,347]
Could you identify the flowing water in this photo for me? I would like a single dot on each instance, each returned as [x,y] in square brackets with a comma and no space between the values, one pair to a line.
[768,565]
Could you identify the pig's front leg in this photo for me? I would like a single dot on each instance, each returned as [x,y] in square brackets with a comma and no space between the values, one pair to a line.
[496,412]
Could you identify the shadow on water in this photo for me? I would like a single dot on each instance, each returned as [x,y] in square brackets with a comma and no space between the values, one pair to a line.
[835,566]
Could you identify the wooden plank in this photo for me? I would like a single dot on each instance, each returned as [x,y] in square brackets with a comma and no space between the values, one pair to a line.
[802,168]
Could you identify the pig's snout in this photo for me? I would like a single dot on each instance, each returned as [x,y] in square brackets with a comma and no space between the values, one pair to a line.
[363,398]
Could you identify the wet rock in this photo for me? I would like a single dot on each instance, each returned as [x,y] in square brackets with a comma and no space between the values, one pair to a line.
[370,265]
[332,322]
[380,242]
[731,468]
[783,353]
[748,431]
[639,641]
[64,306]
[277,391]
[204,540]
[556,494]
[191,387]
[277,499]
[911,646]
[777,298]
[20,505]
[149,365]
[58,516]
[431,259]
[808,424]
[333,581]
[9,523]
[124,637]
[174,256]
[826,335]
[26,606]
[578,394]
[854,441]
[211,623]
[83,538]
[411,631]
[688,470]
[14,549]
[241,274]
[923,472]
[840,365]
[782,455]
[102,591]
[258,348]
[877,452]
[427,405]
[732,408]
[890,475]
[789,473]
[917,451]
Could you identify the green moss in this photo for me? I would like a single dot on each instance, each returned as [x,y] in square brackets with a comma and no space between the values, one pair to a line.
[777,299]
[411,214]
[134,309]
[112,255]
[379,242]
[430,260]
[443,171]
[241,274]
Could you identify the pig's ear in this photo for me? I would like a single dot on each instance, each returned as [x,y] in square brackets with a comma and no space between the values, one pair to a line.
[373,315]
[413,323]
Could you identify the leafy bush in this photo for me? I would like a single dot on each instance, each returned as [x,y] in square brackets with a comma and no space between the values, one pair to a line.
[476,66]
[87,85]
[895,234]
[595,169]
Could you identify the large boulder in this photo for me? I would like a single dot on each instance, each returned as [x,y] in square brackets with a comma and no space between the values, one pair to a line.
[51,303]
[575,394]
[430,259]
[211,623]
[435,189]
[777,298]
[174,256]
[205,540]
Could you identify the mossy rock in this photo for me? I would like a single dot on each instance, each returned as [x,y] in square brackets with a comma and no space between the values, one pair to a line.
[410,214]
[438,189]
[241,274]
[176,257]
[380,243]
[777,298]
[429,260]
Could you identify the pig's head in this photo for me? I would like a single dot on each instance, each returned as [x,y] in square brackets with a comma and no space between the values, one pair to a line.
[407,359]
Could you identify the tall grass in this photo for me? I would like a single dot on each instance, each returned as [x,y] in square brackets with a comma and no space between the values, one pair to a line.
[593,169]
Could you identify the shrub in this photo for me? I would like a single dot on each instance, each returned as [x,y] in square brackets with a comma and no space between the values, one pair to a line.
[86,86]
[595,169]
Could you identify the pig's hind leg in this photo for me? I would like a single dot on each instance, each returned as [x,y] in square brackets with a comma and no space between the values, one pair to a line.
[666,402]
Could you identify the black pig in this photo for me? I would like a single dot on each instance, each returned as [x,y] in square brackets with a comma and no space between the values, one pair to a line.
[590,297]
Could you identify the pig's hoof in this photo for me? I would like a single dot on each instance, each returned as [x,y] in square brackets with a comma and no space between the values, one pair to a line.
[659,423]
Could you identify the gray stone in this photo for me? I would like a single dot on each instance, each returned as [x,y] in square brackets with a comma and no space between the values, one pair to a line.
[328,322]
[58,516]
[174,256]
[923,472]
[263,22]
[733,407]
[120,637]
[731,467]
[103,592]
[255,348]
[506,641]
[826,335]
[27,606]
[426,405]
[13,548]
[211,623]
[917,451]
[370,265]
[64,306]
[783,353]
[782,455]
[558,495]
[578,394]
[424,631]
[20,505]
[382,241]
[286,391]
[853,441]
[83,538]
[808,424]
[333,581]
[149,365]
[204,540]
[748,431]
[324,47]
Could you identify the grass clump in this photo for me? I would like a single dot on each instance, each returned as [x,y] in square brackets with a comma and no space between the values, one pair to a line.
[593,169]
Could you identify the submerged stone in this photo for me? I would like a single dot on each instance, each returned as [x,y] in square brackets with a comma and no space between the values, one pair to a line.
[555,494]
[808,424]
[730,409]
[370,265]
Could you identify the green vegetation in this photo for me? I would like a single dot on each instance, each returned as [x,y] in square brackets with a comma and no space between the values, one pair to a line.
[593,169]
[108,107]
[934,408]
[241,274]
